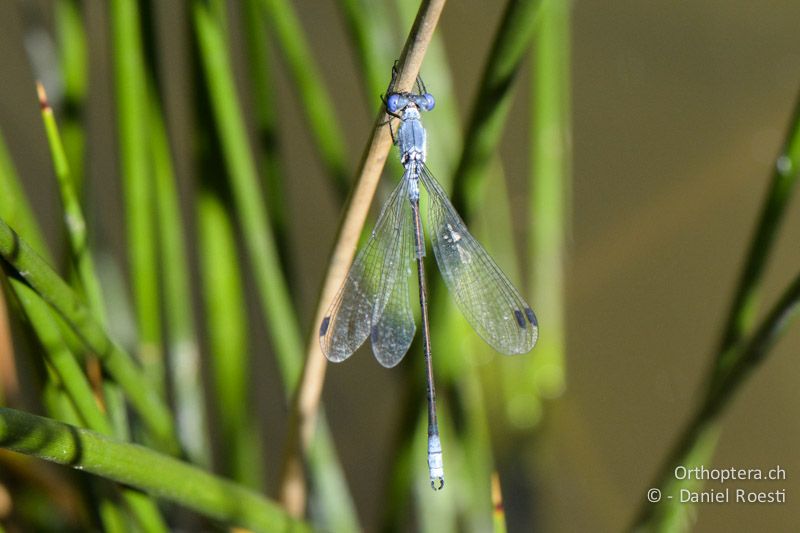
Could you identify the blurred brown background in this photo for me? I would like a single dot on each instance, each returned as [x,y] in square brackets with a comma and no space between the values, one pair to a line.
[679,109]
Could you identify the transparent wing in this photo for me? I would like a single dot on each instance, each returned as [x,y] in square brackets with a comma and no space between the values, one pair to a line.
[485,296]
[394,329]
[369,283]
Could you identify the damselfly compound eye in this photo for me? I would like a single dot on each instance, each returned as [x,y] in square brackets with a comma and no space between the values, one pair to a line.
[393,103]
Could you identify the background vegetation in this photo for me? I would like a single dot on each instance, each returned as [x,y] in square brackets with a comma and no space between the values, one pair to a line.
[166,240]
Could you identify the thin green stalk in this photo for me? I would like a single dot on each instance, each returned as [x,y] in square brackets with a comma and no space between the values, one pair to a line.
[403,455]
[372,36]
[33,269]
[75,224]
[333,508]
[742,312]
[56,353]
[79,391]
[14,206]
[265,113]
[140,212]
[223,299]
[143,508]
[74,220]
[550,157]
[159,475]
[492,103]
[316,104]
[183,349]
[476,444]
[72,49]
[754,352]
[67,393]
[699,439]
[734,359]
[259,241]
[80,256]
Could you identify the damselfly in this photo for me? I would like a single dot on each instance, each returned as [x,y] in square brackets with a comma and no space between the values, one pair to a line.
[374,299]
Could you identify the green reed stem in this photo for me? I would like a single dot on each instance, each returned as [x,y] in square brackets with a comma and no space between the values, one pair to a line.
[737,357]
[373,38]
[51,288]
[74,220]
[60,358]
[79,391]
[492,103]
[57,354]
[144,469]
[73,53]
[261,249]
[14,205]
[140,208]
[742,312]
[265,104]
[223,299]
[258,237]
[183,349]
[697,442]
[316,104]
[550,163]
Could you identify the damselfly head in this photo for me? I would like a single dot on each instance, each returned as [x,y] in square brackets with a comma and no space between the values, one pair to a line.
[397,102]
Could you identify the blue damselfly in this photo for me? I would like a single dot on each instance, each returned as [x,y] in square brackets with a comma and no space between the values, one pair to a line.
[374,299]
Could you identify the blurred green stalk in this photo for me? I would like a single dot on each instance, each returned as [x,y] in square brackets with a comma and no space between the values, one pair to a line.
[73,55]
[183,350]
[697,443]
[737,355]
[333,498]
[77,388]
[316,104]
[227,340]
[58,355]
[35,271]
[144,469]
[262,73]
[371,35]
[490,109]
[254,220]
[14,206]
[549,190]
[140,208]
